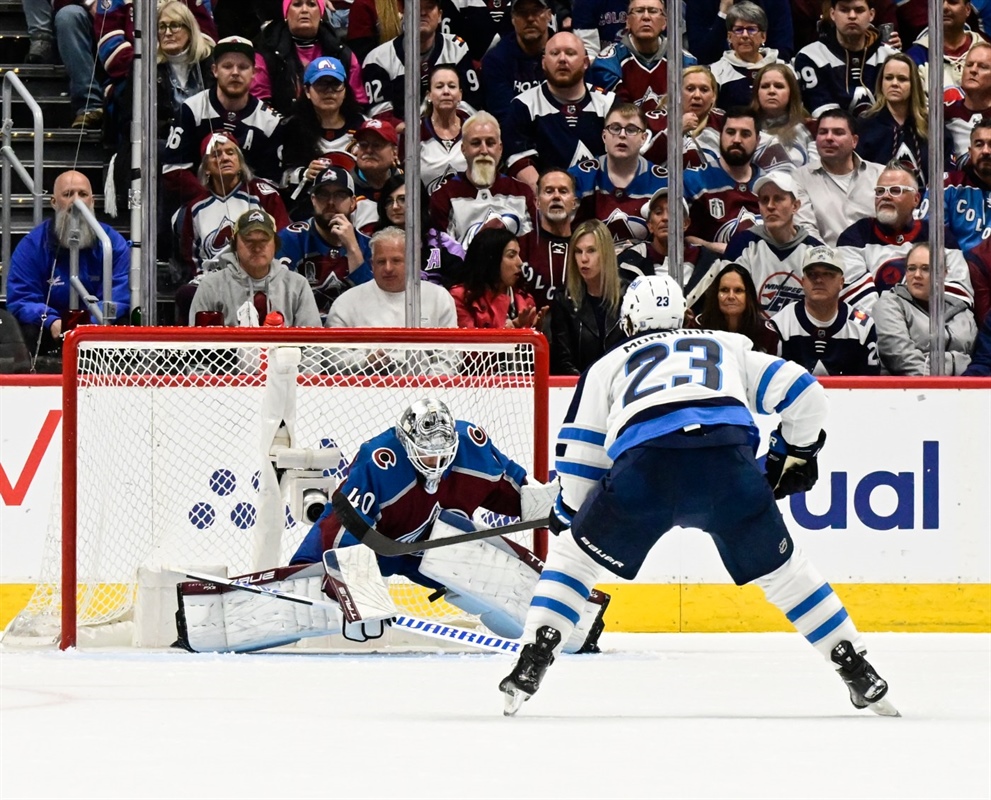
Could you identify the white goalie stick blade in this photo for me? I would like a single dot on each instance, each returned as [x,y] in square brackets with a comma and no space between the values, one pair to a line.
[421,627]
[385,546]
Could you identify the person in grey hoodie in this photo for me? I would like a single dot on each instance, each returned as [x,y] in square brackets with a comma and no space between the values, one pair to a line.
[901,317]
[249,287]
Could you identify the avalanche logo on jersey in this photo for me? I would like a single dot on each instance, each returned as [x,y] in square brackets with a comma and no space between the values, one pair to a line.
[890,273]
[219,238]
[744,220]
[477,435]
[626,228]
[384,458]
[778,290]
[511,222]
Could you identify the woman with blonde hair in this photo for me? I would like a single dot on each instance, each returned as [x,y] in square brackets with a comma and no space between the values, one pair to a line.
[585,317]
[784,122]
[184,60]
[896,127]
[701,120]
[440,129]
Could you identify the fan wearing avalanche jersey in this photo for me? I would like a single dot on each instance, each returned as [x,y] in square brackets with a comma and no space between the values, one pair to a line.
[558,123]
[614,187]
[428,475]
[722,197]
[636,67]
[545,250]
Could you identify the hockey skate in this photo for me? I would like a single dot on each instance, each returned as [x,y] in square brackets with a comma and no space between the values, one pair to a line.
[522,683]
[591,643]
[867,688]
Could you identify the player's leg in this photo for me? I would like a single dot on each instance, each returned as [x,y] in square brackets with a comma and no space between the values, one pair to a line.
[756,547]
[617,525]
[495,579]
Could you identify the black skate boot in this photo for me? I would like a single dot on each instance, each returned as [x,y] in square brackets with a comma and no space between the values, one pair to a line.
[867,688]
[591,643]
[522,683]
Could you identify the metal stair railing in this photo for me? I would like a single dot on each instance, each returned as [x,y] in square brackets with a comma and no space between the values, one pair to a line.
[10,161]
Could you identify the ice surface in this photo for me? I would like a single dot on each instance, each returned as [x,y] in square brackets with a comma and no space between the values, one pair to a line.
[688,715]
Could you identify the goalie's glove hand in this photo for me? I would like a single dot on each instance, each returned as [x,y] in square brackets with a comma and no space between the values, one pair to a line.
[561,516]
[790,469]
[365,630]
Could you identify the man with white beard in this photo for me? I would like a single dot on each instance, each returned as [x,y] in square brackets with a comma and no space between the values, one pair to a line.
[38,293]
[481,196]
[875,249]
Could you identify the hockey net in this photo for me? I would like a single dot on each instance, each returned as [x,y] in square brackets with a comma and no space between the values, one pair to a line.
[167,435]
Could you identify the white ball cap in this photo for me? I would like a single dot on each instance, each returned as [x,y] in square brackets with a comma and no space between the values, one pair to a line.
[823,256]
[782,178]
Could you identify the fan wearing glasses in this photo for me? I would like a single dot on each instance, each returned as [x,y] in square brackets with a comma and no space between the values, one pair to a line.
[875,249]
[706,23]
[746,32]
[613,188]
[636,67]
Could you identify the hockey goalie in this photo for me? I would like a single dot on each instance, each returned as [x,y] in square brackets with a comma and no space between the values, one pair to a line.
[423,479]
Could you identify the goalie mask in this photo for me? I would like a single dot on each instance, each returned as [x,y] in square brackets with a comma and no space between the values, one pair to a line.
[652,303]
[426,430]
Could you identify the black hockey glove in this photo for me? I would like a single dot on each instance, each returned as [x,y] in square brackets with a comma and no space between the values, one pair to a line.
[791,469]
[560,518]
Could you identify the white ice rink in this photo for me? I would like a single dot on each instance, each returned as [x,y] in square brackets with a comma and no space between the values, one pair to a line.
[654,716]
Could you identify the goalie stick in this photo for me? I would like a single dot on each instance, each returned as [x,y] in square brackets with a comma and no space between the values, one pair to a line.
[422,627]
[385,546]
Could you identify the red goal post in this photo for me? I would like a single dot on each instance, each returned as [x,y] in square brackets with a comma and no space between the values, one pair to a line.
[166,433]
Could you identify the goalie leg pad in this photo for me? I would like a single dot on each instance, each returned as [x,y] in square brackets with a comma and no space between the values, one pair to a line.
[484,577]
[220,619]
[355,580]
[811,605]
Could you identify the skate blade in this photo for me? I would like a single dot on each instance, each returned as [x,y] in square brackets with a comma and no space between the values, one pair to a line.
[513,699]
[883,708]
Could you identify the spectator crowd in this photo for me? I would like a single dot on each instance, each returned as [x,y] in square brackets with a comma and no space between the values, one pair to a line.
[542,142]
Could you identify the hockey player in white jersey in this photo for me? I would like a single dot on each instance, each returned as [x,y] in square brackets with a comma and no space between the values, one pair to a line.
[660,433]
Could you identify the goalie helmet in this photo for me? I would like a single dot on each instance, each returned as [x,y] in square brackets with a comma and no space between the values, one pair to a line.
[426,430]
[652,303]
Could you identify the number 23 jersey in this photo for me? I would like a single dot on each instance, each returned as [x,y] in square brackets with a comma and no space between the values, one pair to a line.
[662,382]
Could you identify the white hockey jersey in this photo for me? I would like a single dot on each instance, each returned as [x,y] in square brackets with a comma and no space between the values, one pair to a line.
[667,381]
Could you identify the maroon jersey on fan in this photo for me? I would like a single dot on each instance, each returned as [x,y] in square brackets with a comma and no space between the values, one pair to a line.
[699,150]
[545,259]
[719,205]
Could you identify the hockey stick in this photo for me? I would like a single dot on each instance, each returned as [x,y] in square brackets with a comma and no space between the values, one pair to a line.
[421,627]
[385,546]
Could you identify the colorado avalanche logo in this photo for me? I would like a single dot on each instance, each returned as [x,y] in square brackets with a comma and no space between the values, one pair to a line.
[384,458]
[625,227]
[511,222]
[890,273]
[218,239]
[477,435]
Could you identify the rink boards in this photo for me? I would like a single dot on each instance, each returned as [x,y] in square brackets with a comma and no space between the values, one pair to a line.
[899,522]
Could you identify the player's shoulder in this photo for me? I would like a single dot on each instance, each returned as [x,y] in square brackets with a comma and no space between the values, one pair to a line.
[471,434]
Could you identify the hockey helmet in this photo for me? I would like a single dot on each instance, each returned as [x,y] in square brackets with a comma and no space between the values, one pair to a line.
[426,430]
[652,303]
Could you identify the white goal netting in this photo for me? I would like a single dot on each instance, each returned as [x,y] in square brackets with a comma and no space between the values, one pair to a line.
[170,435]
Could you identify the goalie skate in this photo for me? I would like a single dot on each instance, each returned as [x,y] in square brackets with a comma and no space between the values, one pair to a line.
[867,688]
[522,683]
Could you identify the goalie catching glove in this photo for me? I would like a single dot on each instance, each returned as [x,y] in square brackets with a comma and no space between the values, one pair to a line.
[790,469]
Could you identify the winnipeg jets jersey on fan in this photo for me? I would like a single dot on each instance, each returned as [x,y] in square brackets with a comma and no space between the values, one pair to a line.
[635,78]
[390,494]
[666,382]
[775,267]
[256,127]
[847,346]
[875,257]
[544,132]
[460,208]
[384,73]
[619,209]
